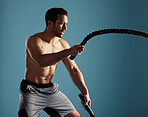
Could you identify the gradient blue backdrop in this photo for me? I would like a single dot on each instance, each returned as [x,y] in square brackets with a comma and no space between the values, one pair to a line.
[115,67]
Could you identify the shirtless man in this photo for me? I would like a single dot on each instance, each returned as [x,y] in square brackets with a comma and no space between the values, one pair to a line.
[43,52]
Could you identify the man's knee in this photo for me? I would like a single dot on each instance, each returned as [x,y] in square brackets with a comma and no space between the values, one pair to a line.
[73,114]
[77,114]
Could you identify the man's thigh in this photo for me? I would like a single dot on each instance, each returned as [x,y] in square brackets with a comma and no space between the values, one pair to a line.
[59,102]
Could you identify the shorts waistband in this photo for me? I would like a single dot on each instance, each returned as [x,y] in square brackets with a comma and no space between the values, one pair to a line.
[25,82]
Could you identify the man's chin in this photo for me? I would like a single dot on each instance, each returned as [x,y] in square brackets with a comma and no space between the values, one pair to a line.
[60,36]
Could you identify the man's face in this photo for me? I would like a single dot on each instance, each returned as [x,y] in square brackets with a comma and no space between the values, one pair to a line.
[60,26]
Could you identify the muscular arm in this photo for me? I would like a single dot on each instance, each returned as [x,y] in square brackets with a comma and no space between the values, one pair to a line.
[75,73]
[33,45]
[35,49]
[77,77]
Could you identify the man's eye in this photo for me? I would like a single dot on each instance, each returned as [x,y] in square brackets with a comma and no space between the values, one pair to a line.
[62,23]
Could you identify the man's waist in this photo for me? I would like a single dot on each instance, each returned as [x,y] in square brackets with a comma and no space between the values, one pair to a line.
[38,85]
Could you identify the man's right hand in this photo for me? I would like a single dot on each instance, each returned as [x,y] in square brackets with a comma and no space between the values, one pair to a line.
[76,50]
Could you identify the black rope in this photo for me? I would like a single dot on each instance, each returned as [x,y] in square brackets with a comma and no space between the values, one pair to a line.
[107,31]
[120,31]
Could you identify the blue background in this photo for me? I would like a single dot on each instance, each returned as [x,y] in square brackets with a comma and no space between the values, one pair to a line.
[115,66]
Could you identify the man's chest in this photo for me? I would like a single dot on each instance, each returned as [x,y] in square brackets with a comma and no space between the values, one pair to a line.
[51,48]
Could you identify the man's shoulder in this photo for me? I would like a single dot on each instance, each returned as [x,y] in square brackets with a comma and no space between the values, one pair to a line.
[35,36]
[64,43]
[33,39]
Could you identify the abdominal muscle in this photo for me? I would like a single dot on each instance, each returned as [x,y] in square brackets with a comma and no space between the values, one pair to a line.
[37,74]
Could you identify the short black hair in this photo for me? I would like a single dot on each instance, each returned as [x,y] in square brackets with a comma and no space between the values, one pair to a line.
[52,13]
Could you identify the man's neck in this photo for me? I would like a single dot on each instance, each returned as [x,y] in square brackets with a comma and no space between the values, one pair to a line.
[48,36]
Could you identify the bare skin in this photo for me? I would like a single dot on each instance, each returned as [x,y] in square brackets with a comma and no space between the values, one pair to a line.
[44,51]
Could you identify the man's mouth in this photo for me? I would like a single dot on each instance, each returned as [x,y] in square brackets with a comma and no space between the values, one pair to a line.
[62,33]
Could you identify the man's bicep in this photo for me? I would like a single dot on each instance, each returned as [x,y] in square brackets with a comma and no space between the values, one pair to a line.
[70,64]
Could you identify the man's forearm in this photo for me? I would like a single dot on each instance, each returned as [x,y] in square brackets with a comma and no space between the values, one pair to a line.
[51,59]
[78,80]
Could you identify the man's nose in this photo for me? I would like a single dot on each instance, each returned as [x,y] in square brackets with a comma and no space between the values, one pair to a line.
[65,27]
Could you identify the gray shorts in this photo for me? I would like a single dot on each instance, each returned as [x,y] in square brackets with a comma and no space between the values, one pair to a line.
[37,97]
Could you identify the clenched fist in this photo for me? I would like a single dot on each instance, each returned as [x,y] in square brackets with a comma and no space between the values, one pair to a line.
[76,50]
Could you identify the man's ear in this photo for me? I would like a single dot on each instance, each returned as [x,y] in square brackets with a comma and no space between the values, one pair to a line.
[50,23]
